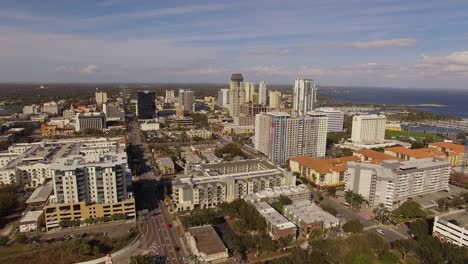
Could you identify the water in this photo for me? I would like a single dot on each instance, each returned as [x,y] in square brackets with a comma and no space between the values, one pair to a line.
[449,102]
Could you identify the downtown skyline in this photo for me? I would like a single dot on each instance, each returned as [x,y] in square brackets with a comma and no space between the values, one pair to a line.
[347,43]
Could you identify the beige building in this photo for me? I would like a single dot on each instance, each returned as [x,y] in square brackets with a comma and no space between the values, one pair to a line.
[368,128]
[323,172]
[275,99]
[199,133]
[165,166]
[236,94]
[101,98]
[454,153]
[205,243]
[403,153]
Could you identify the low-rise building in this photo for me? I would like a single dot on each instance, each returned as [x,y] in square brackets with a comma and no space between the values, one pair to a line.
[165,166]
[295,193]
[309,217]
[192,159]
[49,130]
[40,196]
[149,125]
[233,129]
[372,156]
[199,133]
[211,158]
[454,153]
[403,153]
[277,225]
[205,243]
[452,228]
[30,221]
[323,172]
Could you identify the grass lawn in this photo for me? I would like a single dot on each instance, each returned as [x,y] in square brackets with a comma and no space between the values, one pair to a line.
[414,134]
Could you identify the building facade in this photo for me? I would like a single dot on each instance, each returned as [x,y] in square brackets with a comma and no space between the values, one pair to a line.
[452,228]
[85,121]
[262,93]
[51,108]
[101,98]
[186,99]
[275,99]
[279,136]
[236,94]
[304,96]
[249,92]
[223,98]
[393,182]
[170,97]
[146,107]
[368,128]
[335,118]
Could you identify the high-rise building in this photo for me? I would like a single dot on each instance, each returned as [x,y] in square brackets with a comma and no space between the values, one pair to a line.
[69,113]
[393,182]
[262,93]
[223,98]
[236,94]
[186,99]
[51,108]
[280,136]
[32,109]
[101,98]
[146,107]
[170,97]
[275,99]
[335,118]
[304,96]
[368,128]
[113,110]
[249,91]
[252,109]
[93,121]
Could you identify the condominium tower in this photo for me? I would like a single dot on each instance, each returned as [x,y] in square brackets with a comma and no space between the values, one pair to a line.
[146,107]
[280,136]
[393,182]
[101,98]
[335,118]
[368,128]
[304,96]
[170,97]
[187,99]
[223,98]
[236,94]
[249,91]
[275,99]
[262,93]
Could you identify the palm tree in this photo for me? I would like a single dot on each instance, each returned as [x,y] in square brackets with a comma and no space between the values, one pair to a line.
[383,214]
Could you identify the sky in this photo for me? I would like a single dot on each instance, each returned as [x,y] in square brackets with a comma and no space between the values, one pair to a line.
[379,43]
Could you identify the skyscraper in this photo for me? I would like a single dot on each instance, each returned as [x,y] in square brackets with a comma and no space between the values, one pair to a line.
[275,99]
[368,128]
[236,94]
[249,91]
[262,93]
[146,106]
[186,99]
[280,136]
[223,98]
[101,98]
[170,97]
[304,96]
[335,118]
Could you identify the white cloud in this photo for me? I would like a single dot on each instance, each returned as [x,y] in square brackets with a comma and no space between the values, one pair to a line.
[305,71]
[89,69]
[404,42]
[270,70]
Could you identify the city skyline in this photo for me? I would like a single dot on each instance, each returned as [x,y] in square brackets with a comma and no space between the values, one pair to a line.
[344,43]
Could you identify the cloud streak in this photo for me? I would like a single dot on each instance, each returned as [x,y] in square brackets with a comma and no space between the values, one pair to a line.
[403,42]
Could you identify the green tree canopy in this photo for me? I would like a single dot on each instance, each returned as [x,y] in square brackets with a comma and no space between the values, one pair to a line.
[353,226]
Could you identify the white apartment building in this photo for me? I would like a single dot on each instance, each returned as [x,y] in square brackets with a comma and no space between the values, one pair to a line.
[279,136]
[452,227]
[206,186]
[50,108]
[199,133]
[149,125]
[368,128]
[262,93]
[393,182]
[249,91]
[30,164]
[32,109]
[170,97]
[236,94]
[304,96]
[223,98]
[101,98]
[275,99]
[69,113]
[335,118]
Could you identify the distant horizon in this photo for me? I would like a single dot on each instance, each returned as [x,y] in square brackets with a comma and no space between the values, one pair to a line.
[226,84]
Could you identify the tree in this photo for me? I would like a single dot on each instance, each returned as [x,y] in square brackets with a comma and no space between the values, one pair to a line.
[383,214]
[332,191]
[354,199]
[3,241]
[419,228]
[322,178]
[409,210]
[389,258]
[8,200]
[442,204]
[405,247]
[417,145]
[353,226]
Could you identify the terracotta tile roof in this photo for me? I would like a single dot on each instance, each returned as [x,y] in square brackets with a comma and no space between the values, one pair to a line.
[422,153]
[451,147]
[375,156]
[324,166]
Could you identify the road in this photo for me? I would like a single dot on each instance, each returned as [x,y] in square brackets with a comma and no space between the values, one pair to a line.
[159,239]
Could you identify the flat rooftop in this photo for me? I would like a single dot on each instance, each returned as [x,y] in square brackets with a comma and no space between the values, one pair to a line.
[310,213]
[41,194]
[459,218]
[272,216]
[207,240]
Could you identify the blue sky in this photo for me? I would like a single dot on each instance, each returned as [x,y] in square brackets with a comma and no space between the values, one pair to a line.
[418,43]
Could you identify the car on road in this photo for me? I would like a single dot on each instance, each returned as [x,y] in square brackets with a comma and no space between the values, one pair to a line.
[380,231]
[347,204]
[168,226]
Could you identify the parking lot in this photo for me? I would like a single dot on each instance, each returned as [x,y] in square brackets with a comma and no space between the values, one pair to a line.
[428,201]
